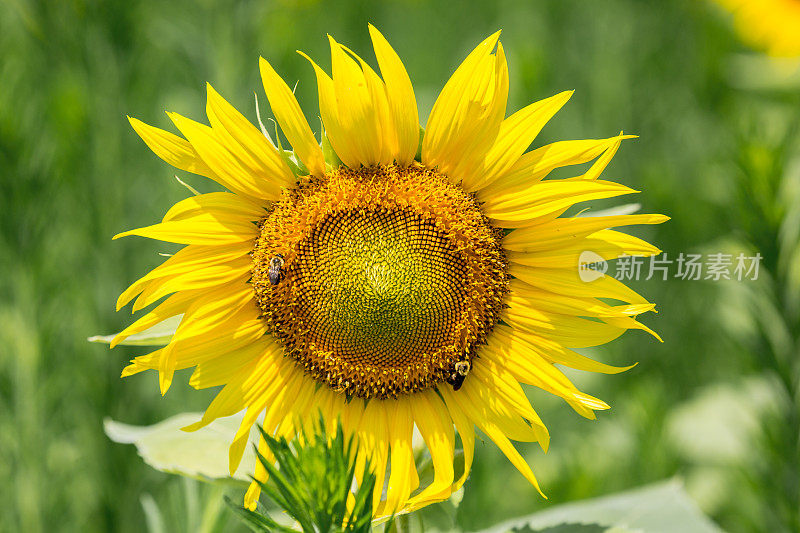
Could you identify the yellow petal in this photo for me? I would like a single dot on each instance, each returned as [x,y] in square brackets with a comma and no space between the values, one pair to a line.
[259,477]
[497,436]
[174,305]
[533,166]
[291,119]
[372,433]
[202,316]
[193,267]
[495,394]
[380,112]
[548,199]
[436,429]
[517,132]
[509,351]
[231,172]
[466,431]
[561,231]
[572,332]
[491,429]
[236,272]
[205,227]
[608,244]
[345,149]
[573,305]
[215,202]
[400,93]
[602,162]
[246,141]
[466,116]
[176,151]
[403,478]
[567,281]
[556,353]
[270,388]
[142,363]
[240,329]
[356,114]
[221,370]
[227,402]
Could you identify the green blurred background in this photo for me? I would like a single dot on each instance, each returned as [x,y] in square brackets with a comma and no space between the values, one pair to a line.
[715,404]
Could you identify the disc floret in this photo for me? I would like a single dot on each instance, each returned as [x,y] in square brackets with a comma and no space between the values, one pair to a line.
[391,276]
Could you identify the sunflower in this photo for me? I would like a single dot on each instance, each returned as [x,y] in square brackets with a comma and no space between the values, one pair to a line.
[386,278]
[772,25]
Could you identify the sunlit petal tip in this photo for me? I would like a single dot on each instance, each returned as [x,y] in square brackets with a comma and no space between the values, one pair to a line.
[176,118]
[116,340]
[646,329]
[291,119]
[402,102]
[193,427]
[591,402]
[491,40]
[319,70]
[131,369]
[332,42]
[164,381]
[251,496]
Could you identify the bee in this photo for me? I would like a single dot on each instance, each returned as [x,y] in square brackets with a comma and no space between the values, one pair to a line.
[275,273]
[460,371]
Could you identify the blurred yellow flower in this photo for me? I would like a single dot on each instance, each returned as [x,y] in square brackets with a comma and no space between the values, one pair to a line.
[387,282]
[771,25]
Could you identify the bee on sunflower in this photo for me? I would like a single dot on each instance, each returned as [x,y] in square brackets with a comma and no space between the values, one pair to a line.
[386,278]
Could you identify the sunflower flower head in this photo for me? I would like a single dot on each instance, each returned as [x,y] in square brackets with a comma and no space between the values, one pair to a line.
[770,25]
[381,287]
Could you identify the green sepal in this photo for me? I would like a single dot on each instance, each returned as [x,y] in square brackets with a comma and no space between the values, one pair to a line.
[328,153]
[311,479]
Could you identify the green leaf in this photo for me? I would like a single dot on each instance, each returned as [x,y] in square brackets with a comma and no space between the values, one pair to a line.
[720,425]
[199,454]
[572,528]
[158,335]
[256,521]
[328,152]
[660,508]
[624,209]
[295,165]
[152,514]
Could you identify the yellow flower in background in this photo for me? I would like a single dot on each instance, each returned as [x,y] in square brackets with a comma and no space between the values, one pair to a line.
[385,282]
[771,25]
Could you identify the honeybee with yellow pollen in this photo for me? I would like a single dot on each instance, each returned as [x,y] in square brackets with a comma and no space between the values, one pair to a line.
[386,278]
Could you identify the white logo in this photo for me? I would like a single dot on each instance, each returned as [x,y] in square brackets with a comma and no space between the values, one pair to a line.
[591,266]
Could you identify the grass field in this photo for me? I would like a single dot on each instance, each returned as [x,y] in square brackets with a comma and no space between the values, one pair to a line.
[716,403]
